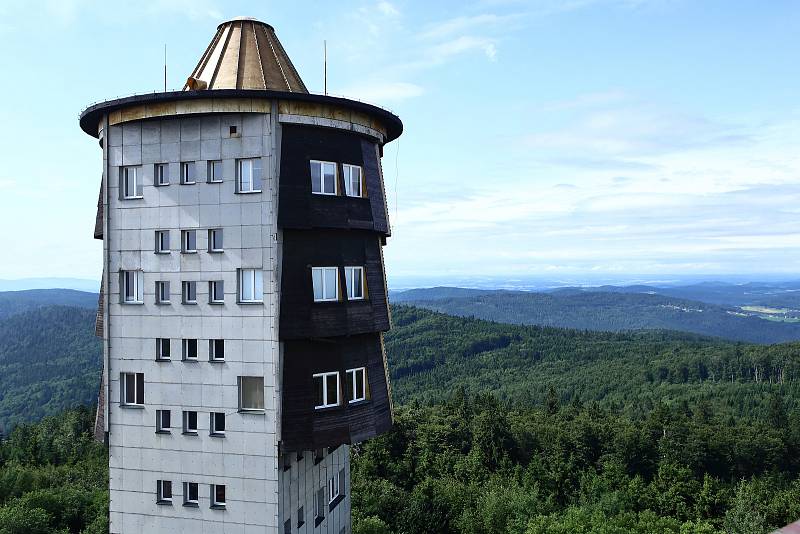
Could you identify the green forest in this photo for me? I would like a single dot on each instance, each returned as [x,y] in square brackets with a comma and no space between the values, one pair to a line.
[500,428]
[54,477]
[476,465]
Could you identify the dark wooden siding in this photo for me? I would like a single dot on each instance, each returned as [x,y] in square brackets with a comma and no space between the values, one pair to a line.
[303,427]
[301,317]
[298,208]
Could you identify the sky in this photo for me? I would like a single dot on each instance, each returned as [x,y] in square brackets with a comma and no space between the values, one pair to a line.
[542,138]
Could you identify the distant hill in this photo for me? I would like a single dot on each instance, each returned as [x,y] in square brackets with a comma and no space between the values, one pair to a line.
[49,360]
[431,355]
[79,284]
[620,309]
[12,302]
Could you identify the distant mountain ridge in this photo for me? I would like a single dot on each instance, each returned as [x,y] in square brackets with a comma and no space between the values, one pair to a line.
[78,284]
[611,309]
[13,302]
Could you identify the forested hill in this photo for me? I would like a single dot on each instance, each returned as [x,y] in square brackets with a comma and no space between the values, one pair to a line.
[605,311]
[432,354]
[12,302]
[49,360]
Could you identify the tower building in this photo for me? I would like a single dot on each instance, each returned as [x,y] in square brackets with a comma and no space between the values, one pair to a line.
[243,298]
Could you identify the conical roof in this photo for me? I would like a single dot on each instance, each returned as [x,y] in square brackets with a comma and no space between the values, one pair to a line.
[245,54]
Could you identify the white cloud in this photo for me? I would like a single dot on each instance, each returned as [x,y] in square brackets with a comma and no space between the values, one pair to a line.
[388,9]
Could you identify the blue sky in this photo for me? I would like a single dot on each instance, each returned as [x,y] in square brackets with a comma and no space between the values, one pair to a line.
[543,138]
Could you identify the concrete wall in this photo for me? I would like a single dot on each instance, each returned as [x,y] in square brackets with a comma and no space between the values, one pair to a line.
[246,459]
[299,485]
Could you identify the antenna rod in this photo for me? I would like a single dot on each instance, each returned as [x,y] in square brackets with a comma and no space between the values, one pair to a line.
[165,67]
[325,64]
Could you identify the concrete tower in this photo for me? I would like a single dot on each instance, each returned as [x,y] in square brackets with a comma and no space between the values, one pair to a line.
[243,298]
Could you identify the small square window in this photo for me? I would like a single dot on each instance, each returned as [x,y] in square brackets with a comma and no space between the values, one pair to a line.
[189,241]
[216,350]
[319,507]
[131,182]
[161,174]
[162,241]
[232,130]
[251,393]
[215,240]
[217,496]
[217,425]
[191,493]
[164,492]
[214,171]
[163,420]
[188,173]
[189,422]
[131,389]
[216,292]
[190,292]
[327,390]
[189,349]
[353,184]
[251,286]
[325,282]
[354,279]
[334,489]
[357,384]
[324,180]
[248,175]
[162,292]
[162,349]
[131,282]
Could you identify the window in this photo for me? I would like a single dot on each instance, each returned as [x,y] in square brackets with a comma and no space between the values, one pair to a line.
[232,130]
[191,494]
[217,424]
[319,455]
[216,350]
[248,173]
[190,292]
[189,241]
[327,386]
[215,240]
[287,461]
[354,279]
[323,178]
[161,174]
[130,182]
[189,422]
[131,282]
[216,292]
[217,496]
[214,172]
[164,492]
[131,389]
[251,285]
[319,507]
[251,393]
[162,292]
[357,384]
[287,526]
[187,172]
[162,241]
[334,489]
[162,349]
[353,186]
[189,349]
[163,421]
[301,520]
[326,283]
